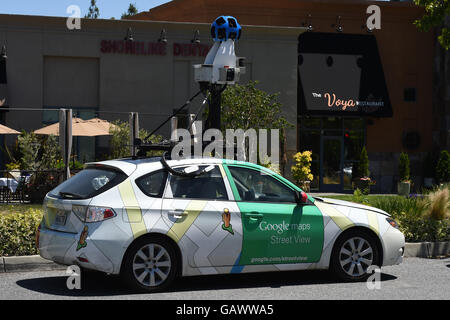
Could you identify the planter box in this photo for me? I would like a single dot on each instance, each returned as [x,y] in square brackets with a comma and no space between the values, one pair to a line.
[363,185]
[427,249]
[403,188]
[428,182]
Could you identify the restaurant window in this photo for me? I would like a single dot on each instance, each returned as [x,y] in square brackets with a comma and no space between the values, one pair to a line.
[336,144]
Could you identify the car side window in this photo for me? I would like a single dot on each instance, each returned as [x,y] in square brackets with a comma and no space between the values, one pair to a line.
[208,186]
[153,184]
[254,185]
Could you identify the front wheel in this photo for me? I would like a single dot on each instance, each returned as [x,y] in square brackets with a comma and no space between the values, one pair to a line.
[353,254]
[150,265]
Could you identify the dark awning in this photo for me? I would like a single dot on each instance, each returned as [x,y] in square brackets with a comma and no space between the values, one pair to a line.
[341,75]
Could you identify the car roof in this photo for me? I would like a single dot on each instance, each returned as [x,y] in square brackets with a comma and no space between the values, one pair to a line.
[129,165]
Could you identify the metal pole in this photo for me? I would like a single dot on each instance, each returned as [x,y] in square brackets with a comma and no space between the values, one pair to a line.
[134,131]
[173,129]
[214,109]
[65,138]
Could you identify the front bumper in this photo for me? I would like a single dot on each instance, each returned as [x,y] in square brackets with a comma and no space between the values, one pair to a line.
[394,247]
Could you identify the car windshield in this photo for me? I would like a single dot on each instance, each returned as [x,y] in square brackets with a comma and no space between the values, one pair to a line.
[88,183]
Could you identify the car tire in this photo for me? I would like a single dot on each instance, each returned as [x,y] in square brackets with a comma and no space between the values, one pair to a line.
[353,253]
[150,265]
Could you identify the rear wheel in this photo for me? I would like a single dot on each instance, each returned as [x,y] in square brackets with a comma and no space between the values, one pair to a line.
[353,254]
[150,265]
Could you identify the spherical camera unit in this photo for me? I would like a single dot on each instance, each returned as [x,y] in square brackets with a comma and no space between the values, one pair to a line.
[224,28]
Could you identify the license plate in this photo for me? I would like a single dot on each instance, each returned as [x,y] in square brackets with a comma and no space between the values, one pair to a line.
[60,219]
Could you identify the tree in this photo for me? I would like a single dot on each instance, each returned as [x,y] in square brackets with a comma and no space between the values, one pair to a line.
[436,12]
[443,167]
[94,12]
[403,167]
[246,107]
[120,140]
[132,11]
[29,147]
[363,165]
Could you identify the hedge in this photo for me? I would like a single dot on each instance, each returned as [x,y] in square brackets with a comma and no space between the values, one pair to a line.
[420,218]
[18,233]
[18,226]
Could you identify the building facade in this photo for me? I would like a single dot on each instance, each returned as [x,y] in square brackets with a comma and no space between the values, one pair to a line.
[379,82]
[396,71]
[97,73]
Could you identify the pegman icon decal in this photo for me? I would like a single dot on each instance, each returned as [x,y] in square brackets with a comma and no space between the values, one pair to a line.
[82,242]
[226,217]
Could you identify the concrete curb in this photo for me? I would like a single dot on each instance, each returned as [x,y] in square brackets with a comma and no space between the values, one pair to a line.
[427,249]
[28,263]
[37,263]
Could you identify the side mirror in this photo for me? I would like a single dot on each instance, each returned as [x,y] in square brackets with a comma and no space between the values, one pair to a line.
[301,197]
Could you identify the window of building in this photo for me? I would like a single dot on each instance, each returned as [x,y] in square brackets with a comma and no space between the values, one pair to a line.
[409,95]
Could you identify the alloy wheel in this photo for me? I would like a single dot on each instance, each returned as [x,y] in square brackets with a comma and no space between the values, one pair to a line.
[356,256]
[151,265]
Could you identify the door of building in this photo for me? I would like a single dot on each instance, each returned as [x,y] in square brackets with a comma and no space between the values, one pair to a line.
[331,163]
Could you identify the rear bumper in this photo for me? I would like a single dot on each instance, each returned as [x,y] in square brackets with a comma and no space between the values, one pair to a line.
[65,248]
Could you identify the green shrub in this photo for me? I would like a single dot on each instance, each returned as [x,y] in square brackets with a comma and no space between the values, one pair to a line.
[420,218]
[120,140]
[18,233]
[403,167]
[360,197]
[443,167]
[301,170]
[422,228]
[363,165]
[413,206]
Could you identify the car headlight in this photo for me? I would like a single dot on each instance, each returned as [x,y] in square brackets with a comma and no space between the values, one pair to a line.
[392,222]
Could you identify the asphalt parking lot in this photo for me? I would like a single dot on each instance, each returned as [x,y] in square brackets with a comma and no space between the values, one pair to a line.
[416,278]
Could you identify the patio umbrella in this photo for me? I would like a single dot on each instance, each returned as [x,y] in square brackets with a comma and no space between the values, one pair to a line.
[6,130]
[80,128]
[105,125]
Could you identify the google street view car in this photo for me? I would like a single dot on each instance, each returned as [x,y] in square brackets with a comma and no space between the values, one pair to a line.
[151,220]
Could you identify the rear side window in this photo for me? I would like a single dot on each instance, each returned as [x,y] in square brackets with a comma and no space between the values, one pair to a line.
[153,184]
[206,186]
[88,183]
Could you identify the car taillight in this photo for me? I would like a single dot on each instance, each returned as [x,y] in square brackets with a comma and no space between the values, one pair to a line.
[80,212]
[96,214]
[93,213]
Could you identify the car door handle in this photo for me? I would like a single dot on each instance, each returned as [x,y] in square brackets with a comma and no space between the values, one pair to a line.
[178,213]
[253,214]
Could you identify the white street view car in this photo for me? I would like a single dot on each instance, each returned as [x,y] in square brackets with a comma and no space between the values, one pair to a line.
[151,220]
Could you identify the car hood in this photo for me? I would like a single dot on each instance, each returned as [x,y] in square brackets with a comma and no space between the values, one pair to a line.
[351,205]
